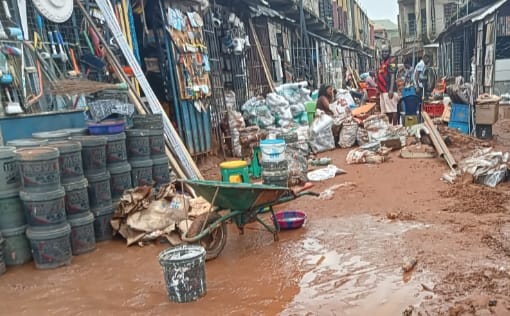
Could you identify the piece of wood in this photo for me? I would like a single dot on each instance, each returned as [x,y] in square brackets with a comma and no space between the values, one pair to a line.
[363,110]
[438,142]
[262,58]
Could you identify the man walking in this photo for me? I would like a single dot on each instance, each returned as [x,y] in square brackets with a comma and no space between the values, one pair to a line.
[420,75]
[386,84]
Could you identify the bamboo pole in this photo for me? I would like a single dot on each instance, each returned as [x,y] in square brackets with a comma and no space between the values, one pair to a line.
[262,58]
[438,142]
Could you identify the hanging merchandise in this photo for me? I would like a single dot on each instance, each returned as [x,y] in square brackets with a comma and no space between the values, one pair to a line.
[57,11]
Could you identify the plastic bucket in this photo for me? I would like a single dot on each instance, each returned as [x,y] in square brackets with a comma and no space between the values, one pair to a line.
[154,121]
[39,169]
[77,197]
[157,143]
[70,162]
[273,150]
[16,246]
[27,143]
[93,153]
[160,171]
[11,210]
[9,171]
[52,135]
[120,180]
[141,172]
[116,151]
[51,246]
[83,238]
[81,131]
[102,223]
[138,145]
[43,209]
[184,271]
[100,194]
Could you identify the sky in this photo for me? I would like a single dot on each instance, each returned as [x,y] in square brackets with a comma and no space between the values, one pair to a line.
[380,9]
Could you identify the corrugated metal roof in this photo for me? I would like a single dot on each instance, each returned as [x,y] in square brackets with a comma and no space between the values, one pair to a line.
[260,10]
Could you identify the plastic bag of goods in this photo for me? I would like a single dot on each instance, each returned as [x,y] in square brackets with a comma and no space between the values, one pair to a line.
[344,98]
[348,135]
[230,100]
[321,134]
[362,136]
[377,127]
[298,166]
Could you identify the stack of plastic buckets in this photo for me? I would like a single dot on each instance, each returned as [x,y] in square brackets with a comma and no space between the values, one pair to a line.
[13,243]
[98,178]
[77,198]
[274,164]
[118,166]
[139,154]
[44,204]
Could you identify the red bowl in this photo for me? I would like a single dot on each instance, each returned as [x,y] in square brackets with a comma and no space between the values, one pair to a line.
[290,219]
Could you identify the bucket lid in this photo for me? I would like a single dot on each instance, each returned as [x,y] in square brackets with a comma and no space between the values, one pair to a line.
[181,253]
[16,231]
[48,232]
[272,142]
[27,142]
[9,194]
[42,196]
[120,168]
[116,137]
[57,11]
[82,219]
[51,135]
[105,210]
[137,132]
[65,146]
[141,163]
[156,132]
[7,152]
[37,153]
[76,131]
[90,141]
[81,184]
[160,161]
[98,177]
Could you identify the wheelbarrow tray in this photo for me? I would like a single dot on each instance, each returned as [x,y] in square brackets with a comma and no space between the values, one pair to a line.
[237,196]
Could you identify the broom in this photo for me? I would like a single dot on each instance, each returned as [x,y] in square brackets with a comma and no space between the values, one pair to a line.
[79,86]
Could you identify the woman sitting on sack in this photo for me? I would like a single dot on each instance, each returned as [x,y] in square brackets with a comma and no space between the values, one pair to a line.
[328,104]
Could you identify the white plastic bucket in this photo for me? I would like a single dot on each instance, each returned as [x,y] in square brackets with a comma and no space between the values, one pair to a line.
[273,150]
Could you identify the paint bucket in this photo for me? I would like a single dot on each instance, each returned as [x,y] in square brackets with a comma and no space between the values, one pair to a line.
[16,246]
[273,150]
[120,180]
[52,135]
[11,210]
[160,171]
[81,131]
[100,194]
[83,238]
[157,143]
[46,208]
[77,197]
[3,268]
[184,271]
[154,121]
[141,173]
[93,153]
[70,162]
[116,151]
[27,143]
[138,145]
[9,171]
[102,226]
[51,246]
[39,169]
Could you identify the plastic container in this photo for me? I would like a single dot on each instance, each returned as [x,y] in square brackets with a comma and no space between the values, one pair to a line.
[484,131]
[12,214]
[43,209]
[460,113]
[138,144]
[70,161]
[116,151]
[80,131]
[107,127]
[273,150]
[408,91]
[434,109]
[77,198]
[462,127]
[157,143]
[51,246]
[27,143]
[154,121]
[102,223]
[487,113]
[184,272]
[141,173]
[100,194]
[120,180]
[9,171]
[39,169]
[290,219]
[16,246]
[52,135]
[83,238]
[93,153]
[160,171]
[310,107]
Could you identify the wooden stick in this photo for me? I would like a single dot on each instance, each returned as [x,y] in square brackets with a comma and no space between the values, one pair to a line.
[262,58]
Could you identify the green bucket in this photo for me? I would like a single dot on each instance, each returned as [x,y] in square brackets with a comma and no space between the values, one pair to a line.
[310,110]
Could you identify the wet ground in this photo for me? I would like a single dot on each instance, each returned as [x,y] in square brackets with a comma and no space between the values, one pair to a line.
[347,260]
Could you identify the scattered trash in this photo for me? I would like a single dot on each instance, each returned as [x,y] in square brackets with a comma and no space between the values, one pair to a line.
[362,156]
[409,265]
[324,161]
[487,167]
[329,193]
[322,174]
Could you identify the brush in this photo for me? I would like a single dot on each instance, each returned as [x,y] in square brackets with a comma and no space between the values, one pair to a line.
[80,86]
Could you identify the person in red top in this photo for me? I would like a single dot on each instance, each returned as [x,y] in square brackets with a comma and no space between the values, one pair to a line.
[386,85]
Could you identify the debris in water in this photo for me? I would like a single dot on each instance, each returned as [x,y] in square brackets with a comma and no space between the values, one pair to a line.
[409,265]
[329,193]
[392,215]
[408,311]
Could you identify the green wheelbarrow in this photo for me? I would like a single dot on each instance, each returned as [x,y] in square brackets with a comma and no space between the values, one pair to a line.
[241,203]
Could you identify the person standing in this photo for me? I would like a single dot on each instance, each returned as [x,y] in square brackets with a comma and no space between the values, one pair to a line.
[370,80]
[387,86]
[420,74]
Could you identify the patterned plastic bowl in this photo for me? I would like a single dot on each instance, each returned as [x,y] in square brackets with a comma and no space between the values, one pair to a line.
[290,219]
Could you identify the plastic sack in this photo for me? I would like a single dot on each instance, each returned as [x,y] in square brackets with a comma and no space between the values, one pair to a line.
[377,126]
[362,136]
[348,135]
[321,134]
[324,173]
[344,98]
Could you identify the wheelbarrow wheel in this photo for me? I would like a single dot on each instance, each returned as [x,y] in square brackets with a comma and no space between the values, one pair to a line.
[214,242]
